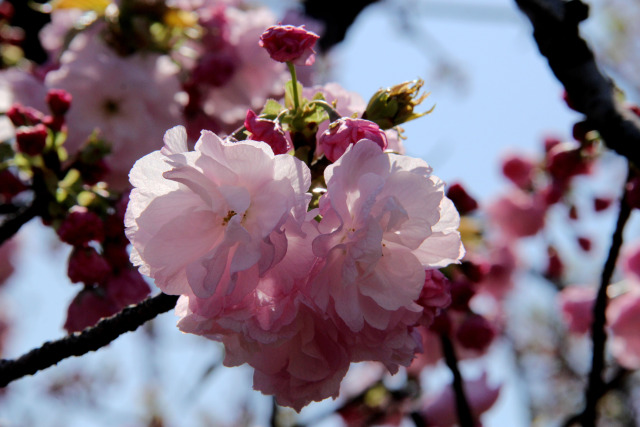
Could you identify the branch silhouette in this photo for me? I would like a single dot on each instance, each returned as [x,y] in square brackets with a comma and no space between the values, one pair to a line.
[555,29]
[91,339]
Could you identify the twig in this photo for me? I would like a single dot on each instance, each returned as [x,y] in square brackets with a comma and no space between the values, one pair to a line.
[12,224]
[462,405]
[52,352]
[596,386]
[555,29]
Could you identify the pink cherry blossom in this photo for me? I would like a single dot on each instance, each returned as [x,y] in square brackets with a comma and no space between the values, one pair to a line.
[441,410]
[347,131]
[517,214]
[623,318]
[384,220]
[286,43]
[129,100]
[255,76]
[519,170]
[576,303]
[196,219]
[631,261]
[348,104]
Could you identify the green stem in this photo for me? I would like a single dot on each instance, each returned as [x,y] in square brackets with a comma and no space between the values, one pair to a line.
[333,114]
[294,81]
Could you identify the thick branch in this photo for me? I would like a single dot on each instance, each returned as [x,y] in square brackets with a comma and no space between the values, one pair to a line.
[596,386]
[555,29]
[465,417]
[90,339]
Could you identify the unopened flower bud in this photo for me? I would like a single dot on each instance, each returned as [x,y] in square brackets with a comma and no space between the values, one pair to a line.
[346,131]
[10,186]
[585,243]
[519,170]
[24,116]
[565,161]
[87,266]
[394,105]
[475,333]
[31,140]
[463,202]
[80,227]
[601,203]
[58,101]
[267,131]
[215,68]
[554,265]
[286,43]
[632,190]
[87,308]
[126,288]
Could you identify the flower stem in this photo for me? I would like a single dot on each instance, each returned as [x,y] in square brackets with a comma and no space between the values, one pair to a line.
[294,81]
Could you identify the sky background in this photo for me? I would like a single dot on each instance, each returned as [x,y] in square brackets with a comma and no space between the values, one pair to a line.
[493,93]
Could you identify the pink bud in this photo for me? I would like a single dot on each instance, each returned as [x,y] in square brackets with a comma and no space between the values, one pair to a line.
[87,266]
[435,295]
[10,186]
[554,264]
[24,116]
[585,243]
[633,192]
[215,68]
[461,293]
[576,303]
[475,333]
[461,199]
[346,131]
[58,101]
[55,123]
[286,43]
[31,140]
[267,131]
[565,160]
[126,288]
[81,227]
[87,308]
[550,142]
[600,203]
[519,170]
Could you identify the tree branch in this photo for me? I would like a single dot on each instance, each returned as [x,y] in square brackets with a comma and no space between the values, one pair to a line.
[465,417]
[12,224]
[91,339]
[596,387]
[555,29]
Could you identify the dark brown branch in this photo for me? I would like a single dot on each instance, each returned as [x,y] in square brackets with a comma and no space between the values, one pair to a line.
[14,221]
[555,29]
[52,352]
[465,417]
[596,387]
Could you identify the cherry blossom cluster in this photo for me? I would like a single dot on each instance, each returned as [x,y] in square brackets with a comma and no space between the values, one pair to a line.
[301,250]
[135,69]
[84,213]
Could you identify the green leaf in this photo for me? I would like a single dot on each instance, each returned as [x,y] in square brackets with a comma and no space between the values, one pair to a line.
[271,109]
[288,94]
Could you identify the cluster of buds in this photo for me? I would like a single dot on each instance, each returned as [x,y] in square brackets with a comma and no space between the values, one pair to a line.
[100,262]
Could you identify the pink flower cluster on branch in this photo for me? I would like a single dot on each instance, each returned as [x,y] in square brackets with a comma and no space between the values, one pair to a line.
[297,295]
